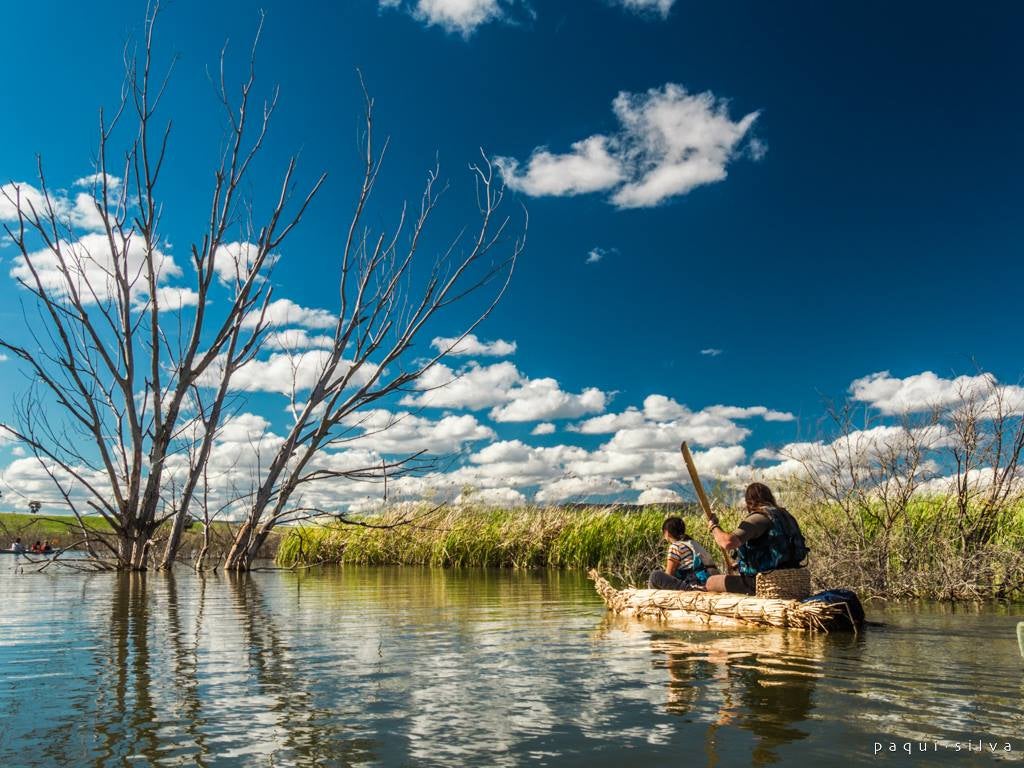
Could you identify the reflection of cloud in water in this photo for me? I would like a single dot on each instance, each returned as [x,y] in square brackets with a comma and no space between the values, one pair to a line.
[412,666]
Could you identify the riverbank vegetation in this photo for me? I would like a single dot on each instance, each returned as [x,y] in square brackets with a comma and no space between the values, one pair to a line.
[920,557]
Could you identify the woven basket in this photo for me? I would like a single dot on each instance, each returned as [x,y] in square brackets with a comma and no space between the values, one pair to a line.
[784,584]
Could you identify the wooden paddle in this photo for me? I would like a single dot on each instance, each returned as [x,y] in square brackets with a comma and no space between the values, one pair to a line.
[702,497]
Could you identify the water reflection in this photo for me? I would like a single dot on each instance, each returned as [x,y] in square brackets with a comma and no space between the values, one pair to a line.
[762,683]
[419,667]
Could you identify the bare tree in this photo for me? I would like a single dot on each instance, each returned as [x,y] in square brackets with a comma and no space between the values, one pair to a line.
[111,376]
[135,391]
[387,298]
[986,431]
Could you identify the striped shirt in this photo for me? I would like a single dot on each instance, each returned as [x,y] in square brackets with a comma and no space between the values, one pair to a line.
[681,553]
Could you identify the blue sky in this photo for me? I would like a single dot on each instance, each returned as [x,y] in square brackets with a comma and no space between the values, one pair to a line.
[865,217]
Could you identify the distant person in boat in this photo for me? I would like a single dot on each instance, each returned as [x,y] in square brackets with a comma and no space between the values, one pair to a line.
[767,539]
[17,546]
[46,547]
[688,564]
[37,547]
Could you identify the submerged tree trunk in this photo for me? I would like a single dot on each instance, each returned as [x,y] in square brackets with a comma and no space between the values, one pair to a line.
[173,542]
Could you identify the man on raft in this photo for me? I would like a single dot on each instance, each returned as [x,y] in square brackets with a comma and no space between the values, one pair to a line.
[767,539]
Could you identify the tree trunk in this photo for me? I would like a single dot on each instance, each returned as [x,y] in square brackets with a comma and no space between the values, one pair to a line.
[246,547]
[236,555]
[173,540]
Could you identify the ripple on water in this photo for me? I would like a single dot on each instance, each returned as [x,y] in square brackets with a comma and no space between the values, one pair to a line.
[415,666]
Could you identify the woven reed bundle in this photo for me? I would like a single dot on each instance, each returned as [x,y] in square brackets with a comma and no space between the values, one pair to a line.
[717,607]
[785,584]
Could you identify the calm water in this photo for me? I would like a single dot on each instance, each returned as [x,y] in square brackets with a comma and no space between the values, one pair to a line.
[371,666]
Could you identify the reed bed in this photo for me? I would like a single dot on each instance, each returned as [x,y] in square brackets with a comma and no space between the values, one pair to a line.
[622,542]
[918,556]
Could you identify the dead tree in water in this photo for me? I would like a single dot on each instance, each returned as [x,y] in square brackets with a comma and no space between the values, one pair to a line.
[126,405]
[111,374]
[382,312]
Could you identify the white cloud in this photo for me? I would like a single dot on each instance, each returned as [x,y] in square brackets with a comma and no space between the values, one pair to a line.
[234,261]
[473,387]
[457,16]
[660,7]
[737,412]
[90,263]
[172,298]
[544,428]
[284,312]
[286,373]
[589,166]
[96,180]
[404,433]
[23,194]
[501,387]
[597,254]
[659,496]
[472,346]
[543,399]
[297,338]
[669,142]
[81,211]
[711,352]
[919,392]
[610,422]
[662,408]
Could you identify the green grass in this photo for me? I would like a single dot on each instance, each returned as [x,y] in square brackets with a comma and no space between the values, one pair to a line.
[918,556]
[27,526]
[484,537]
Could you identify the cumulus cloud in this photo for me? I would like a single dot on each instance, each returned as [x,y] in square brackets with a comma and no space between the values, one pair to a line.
[588,166]
[543,399]
[80,210]
[20,194]
[90,263]
[509,394]
[659,7]
[404,433]
[658,496]
[462,17]
[544,428]
[919,392]
[284,312]
[471,346]
[669,142]
[234,261]
[286,373]
[297,338]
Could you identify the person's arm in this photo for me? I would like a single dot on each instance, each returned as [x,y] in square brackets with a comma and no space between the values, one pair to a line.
[722,538]
[671,563]
[749,528]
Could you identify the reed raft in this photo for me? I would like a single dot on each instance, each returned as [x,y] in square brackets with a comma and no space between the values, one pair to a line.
[719,608]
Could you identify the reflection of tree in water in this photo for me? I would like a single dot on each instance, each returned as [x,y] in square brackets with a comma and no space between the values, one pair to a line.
[181,678]
[301,729]
[761,682]
[126,717]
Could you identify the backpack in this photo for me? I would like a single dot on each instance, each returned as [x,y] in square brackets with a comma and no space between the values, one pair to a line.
[854,616]
[781,546]
[698,570]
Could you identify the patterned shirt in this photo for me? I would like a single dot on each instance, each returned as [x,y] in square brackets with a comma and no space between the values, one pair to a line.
[680,552]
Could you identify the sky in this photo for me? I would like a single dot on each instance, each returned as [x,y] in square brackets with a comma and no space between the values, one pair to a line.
[736,211]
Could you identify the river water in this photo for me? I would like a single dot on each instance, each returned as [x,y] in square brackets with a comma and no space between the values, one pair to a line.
[395,667]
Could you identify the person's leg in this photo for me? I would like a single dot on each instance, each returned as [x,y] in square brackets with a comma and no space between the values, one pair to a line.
[661,580]
[743,585]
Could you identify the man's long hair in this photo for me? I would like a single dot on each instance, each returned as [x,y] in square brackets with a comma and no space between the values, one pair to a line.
[759,496]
